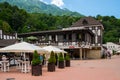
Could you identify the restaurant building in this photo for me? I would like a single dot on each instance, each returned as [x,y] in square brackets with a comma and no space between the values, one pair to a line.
[82,40]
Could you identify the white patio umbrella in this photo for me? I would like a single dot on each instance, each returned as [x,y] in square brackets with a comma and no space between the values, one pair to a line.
[22,47]
[54,49]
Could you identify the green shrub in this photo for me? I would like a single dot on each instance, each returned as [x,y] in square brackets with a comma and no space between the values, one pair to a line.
[36,60]
[67,57]
[60,58]
[52,58]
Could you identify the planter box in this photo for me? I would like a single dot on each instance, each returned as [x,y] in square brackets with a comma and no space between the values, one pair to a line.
[51,67]
[61,64]
[36,70]
[67,63]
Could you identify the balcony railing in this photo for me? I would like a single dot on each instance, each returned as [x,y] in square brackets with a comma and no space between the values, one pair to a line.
[65,44]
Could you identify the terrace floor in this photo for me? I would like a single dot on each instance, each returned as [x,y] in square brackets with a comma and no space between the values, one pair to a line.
[100,69]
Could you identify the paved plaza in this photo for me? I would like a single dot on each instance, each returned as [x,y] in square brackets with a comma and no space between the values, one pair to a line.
[101,69]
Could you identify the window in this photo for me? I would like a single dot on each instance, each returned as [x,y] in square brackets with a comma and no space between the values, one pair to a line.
[70,37]
[53,37]
[78,36]
[64,37]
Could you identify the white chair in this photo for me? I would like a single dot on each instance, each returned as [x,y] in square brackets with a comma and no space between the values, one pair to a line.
[5,66]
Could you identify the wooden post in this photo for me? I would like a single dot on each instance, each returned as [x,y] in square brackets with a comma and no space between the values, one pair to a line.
[81,53]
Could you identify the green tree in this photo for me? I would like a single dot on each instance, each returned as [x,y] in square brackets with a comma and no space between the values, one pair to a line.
[5,27]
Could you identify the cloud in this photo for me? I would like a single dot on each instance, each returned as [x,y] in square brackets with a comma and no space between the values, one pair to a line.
[58,3]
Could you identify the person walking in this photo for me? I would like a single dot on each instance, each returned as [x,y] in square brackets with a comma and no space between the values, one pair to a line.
[109,54]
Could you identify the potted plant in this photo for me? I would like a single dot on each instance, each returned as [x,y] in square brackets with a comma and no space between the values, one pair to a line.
[60,61]
[51,62]
[36,65]
[67,60]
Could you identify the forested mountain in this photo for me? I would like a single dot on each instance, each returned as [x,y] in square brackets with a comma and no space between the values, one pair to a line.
[13,19]
[36,6]
[18,20]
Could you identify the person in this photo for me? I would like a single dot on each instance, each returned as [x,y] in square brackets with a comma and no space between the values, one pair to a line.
[4,58]
[0,57]
[109,55]
[44,60]
[56,57]
[30,57]
[41,58]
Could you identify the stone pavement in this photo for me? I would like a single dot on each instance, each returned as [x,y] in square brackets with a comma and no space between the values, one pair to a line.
[101,69]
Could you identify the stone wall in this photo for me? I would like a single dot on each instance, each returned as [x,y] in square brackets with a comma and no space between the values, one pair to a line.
[94,54]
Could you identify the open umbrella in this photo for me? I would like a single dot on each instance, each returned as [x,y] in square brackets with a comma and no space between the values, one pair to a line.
[54,49]
[22,47]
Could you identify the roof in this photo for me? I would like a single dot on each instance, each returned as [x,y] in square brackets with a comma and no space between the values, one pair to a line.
[86,21]
[7,42]
[53,32]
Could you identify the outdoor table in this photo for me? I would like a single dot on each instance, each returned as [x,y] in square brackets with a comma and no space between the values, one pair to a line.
[25,66]
[5,66]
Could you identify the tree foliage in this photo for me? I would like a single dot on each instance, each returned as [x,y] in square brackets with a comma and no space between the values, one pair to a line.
[111,28]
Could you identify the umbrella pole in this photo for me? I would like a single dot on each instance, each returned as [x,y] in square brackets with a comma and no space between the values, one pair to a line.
[24,56]
[14,59]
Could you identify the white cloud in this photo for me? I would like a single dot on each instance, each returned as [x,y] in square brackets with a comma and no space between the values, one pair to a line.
[58,3]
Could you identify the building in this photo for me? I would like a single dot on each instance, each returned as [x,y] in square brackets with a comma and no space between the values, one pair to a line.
[83,40]
[112,46]
[7,39]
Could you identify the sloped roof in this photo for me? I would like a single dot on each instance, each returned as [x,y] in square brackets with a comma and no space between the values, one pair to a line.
[86,21]
[7,42]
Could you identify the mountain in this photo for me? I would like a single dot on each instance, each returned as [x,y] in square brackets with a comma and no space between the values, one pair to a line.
[36,6]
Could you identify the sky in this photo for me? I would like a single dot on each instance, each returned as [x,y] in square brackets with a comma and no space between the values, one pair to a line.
[90,7]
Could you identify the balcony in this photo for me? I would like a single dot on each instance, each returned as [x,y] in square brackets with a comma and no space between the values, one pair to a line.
[65,44]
